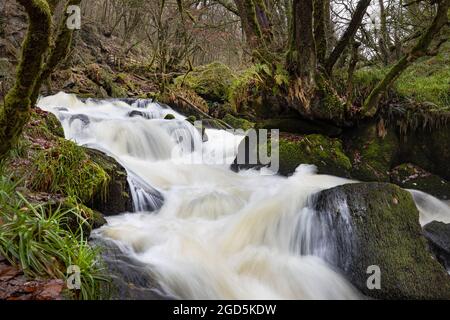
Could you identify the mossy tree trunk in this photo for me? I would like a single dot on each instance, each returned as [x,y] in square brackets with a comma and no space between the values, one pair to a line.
[58,52]
[16,109]
[257,26]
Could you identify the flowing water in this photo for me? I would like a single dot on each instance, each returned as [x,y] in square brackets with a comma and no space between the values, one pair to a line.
[216,234]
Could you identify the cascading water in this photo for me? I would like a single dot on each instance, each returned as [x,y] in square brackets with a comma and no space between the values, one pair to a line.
[217,234]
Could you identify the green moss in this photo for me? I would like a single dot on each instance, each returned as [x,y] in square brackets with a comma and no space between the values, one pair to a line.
[169,117]
[327,154]
[15,112]
[66,169]
[211,81]
[238,123]
[106,80]
[385,232]
[373,155]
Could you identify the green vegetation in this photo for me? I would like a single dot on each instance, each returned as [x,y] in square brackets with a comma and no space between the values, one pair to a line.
[66,169]
[426,81]
[210,81]
[238,123]
[38,239]
[327,154]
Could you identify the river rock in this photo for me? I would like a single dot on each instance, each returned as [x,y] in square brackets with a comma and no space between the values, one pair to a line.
[377,224]
[325,153]
[116,199]
[438,236]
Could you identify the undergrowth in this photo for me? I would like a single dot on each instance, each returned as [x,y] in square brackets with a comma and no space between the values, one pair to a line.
[38,239]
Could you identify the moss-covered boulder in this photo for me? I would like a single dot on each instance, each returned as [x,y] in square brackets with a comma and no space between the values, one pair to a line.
[410,176]
[113,85]
[377,224]
[438,236]
[373,150]
[212,81]
[325,153]
[116,198]
[238,123]
[44,162]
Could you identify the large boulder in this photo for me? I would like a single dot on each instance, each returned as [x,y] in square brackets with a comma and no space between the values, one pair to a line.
[212,81]
[438,236]
[325,153]
[377,224]
[116,196]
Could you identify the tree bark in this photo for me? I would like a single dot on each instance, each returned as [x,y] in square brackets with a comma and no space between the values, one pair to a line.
[348,35]
[16,110]
[57,54]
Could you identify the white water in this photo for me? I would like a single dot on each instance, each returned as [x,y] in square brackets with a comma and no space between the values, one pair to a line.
[219,235]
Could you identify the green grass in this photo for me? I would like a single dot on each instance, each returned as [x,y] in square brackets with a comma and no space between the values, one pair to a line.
[426,81]
[38,239]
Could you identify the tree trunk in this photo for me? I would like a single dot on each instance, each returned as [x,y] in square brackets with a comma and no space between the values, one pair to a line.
[348,35]
[57,53]
[16,110]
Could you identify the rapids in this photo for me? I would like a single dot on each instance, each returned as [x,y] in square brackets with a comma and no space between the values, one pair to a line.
[218,234]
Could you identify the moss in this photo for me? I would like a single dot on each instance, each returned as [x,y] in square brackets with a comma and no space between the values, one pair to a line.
[327,154]
[384,231]
[238,123]
[328,105]
[211,81]
[169,117]
[185,101]
[68,170]
[15,112]
[409,176]
[373,152]
[106,80]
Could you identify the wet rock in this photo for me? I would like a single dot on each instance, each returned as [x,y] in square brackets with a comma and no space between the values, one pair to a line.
[325,153]
[116,198]
[377,224]
[438,236]
[81,117]
[136,113]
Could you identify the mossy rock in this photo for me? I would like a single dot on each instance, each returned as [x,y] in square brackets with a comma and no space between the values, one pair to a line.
[106,80]
[169,117]
[212,81]
[325,153]
[373,152]
[116,198]
[377,224]
[410,176]
[238,123]
[185,101]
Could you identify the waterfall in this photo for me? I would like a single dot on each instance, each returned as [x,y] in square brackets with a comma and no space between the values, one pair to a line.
[216,234]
